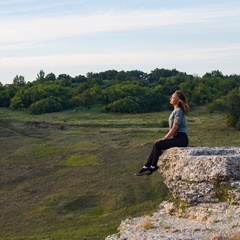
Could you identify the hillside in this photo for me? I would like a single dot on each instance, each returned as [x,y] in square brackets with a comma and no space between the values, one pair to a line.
[70,175]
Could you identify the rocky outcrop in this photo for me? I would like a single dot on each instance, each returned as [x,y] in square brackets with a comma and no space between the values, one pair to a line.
[202,175]
[212,221]
[205,183]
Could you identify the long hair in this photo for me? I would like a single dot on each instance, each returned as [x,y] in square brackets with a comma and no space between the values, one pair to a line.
[182,102]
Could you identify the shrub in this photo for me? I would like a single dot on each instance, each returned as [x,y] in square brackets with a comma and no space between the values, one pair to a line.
[46,105]
[125,105]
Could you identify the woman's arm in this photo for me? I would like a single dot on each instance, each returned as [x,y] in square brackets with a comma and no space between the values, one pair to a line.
[171,132]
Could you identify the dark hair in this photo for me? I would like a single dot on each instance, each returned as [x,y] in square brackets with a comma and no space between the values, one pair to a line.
[183,101]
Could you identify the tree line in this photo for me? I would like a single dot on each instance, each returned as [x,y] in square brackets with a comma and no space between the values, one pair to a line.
[124,92]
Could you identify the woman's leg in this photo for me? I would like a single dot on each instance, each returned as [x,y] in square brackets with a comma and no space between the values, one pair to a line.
[155,153]
[151,164]
[181,140]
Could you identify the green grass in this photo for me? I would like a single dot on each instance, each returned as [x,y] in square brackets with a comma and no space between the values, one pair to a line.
[80,160]
[70,175]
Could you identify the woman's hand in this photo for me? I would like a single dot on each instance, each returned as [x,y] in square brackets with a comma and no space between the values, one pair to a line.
[160,139]
[170,133]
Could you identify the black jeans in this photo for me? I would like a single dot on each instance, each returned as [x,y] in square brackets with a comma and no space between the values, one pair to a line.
[179,140]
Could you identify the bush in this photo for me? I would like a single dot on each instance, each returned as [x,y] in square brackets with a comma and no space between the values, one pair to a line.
[46,105]
[125,105]
[233,112]
[217,105]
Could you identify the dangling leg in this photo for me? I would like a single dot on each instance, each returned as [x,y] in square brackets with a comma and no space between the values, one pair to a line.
[181,140]
[156,153]
[150,165]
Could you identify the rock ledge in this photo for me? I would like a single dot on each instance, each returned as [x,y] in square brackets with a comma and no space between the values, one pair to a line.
[205,183]
[200,175]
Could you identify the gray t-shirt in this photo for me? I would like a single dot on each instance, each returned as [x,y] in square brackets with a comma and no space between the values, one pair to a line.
[177,116]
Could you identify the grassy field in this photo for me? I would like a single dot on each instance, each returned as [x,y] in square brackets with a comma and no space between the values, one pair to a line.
[70,175]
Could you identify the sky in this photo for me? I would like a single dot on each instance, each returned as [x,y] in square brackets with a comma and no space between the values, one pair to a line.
[76,37]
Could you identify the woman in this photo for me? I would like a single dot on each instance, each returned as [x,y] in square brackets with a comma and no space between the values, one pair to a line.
[176,136]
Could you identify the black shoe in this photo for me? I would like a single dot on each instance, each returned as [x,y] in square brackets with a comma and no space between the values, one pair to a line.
[143,171]
[152,170]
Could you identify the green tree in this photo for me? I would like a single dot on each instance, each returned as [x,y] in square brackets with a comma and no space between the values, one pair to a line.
[124,105]
[148,99]
[24,98]
[17,103]
[50,77]
[121,91]
[201,94]
[228,105]
[233,108]
[217,105]
[79,79]
[84,99]
[19,81]
[40,76]
[6,94]
[157,73]
[214,73]
[46,105]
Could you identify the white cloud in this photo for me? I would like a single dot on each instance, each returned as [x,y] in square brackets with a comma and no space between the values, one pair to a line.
[177,37]
[211,54]
[42,29]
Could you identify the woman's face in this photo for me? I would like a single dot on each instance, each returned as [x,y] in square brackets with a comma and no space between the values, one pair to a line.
[174,99]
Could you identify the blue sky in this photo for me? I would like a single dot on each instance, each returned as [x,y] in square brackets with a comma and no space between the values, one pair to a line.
[76,37]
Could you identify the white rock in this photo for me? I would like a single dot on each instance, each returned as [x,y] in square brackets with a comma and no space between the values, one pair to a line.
[201,177]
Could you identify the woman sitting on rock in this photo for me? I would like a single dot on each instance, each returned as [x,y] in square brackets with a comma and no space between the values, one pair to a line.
[176,136]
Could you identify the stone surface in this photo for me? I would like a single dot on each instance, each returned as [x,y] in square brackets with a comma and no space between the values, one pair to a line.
[203,174]
[206,221]
[206,184]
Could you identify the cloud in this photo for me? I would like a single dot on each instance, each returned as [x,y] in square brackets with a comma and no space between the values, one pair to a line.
[33,8]
[211,54]
[57,39]
[46,28]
